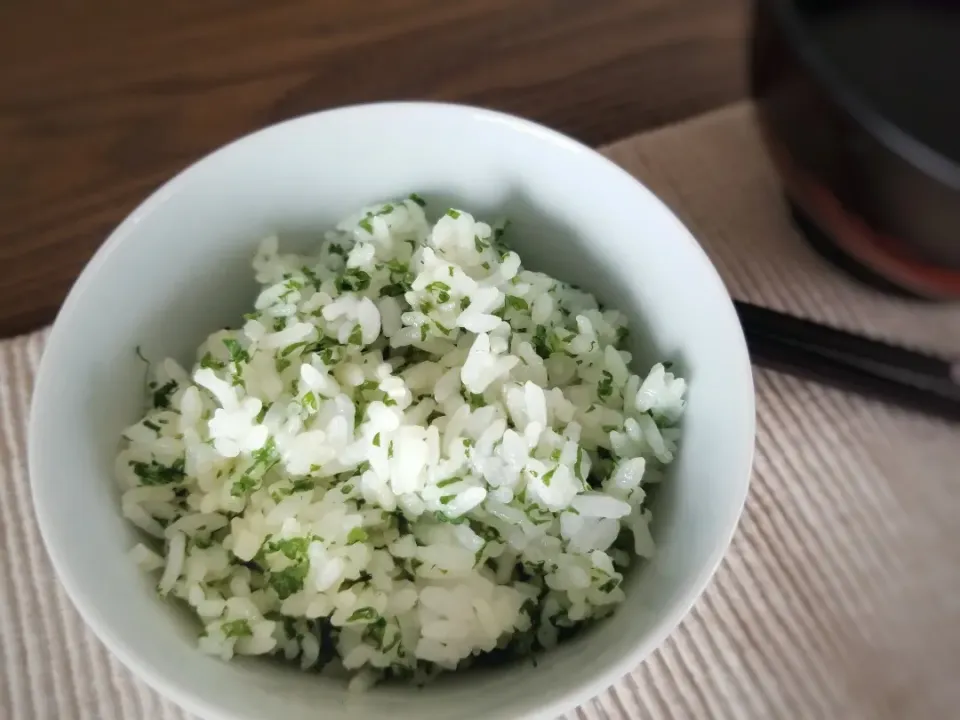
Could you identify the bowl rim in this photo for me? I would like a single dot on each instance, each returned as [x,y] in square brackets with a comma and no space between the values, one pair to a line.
[573,694]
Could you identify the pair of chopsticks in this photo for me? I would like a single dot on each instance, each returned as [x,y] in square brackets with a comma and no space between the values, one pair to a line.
[851,362]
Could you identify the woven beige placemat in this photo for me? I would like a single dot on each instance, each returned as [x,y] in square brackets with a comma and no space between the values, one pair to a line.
[840,597]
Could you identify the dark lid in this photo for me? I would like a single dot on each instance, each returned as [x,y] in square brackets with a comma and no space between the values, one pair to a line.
[893,66]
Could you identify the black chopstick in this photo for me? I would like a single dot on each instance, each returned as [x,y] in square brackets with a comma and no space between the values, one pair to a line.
[770,322]
[849,361]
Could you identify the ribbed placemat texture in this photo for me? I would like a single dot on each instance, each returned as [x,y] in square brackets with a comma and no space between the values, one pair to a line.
[840,597]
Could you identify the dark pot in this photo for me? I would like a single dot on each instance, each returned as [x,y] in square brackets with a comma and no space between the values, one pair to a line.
[859,104]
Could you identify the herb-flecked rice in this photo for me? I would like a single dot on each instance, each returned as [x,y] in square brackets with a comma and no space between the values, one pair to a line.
[414,453]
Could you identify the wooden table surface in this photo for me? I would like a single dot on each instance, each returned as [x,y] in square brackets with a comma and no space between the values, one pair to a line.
[102,100]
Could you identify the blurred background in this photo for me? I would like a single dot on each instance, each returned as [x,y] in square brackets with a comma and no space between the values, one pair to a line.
[102,101]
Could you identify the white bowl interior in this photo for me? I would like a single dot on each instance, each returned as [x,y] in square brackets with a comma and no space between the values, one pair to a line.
[178,268]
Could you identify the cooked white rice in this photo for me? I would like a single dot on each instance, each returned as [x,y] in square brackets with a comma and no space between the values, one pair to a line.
[414,452]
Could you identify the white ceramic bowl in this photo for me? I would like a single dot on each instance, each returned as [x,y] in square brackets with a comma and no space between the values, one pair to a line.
[178,268]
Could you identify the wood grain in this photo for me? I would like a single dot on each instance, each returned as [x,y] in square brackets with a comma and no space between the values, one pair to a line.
[101,101]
